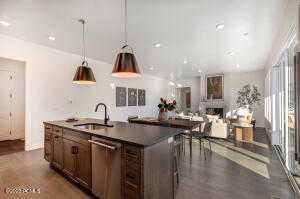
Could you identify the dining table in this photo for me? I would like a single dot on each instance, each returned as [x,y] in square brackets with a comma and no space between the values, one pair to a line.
[187,125]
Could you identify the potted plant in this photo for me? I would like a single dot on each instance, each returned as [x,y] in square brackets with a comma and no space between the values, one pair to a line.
[165,108]
[248,98]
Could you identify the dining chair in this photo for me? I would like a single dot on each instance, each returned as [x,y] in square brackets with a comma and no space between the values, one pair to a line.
[202,136]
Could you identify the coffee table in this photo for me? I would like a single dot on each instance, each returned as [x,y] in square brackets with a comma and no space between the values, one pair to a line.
[243,132]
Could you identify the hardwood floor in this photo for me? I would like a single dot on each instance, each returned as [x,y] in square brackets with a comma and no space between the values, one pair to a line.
[233,170]
[11,146]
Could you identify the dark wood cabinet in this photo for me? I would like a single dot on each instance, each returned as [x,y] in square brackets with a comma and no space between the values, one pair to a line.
[83,165]
[69,158]
[146,172]
[48,147]
[57,159]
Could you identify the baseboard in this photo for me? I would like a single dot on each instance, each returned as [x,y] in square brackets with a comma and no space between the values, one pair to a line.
[33,146]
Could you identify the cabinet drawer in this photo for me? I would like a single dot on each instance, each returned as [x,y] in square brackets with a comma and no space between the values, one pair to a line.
[48,137]
[132,179]
[131,165]
[131,194]
[78,137]
[57,131]
[48,151]
[48,128]
[132,153]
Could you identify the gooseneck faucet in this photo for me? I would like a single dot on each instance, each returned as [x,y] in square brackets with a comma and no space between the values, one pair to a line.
[106,117]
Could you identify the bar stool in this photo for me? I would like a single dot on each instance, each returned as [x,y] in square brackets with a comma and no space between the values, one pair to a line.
[177,153]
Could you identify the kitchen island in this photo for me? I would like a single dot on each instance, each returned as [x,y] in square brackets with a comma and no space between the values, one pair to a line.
[116,161]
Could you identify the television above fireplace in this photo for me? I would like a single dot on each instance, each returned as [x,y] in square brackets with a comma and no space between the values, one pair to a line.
[215,111]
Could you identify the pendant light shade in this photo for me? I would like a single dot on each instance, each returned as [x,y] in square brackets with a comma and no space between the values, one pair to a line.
[84,74]
[126,65]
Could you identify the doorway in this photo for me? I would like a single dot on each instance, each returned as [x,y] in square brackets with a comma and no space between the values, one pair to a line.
[183,99]
[12,106]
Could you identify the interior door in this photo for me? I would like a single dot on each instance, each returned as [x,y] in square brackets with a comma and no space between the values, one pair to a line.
[5,104]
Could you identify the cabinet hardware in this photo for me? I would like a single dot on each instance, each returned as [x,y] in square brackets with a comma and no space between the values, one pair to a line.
[74,150]
[130,176]
[47,139]
[131,153]
[47,128]
[57,131]
[104,145]
[56,137]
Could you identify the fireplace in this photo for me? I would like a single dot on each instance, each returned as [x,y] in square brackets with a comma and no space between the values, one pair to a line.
[215,111]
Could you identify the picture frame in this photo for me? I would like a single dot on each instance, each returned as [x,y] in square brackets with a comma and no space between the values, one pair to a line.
[141,97]
[214,87]
[132,97]
[121,96]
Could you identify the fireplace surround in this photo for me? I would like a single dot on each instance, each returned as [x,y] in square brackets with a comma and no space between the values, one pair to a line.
[215,111]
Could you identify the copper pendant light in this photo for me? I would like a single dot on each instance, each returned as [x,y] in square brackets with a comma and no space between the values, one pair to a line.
[126,65]
[84,74]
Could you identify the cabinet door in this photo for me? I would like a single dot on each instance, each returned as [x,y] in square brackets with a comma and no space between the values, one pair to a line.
[83,165]
[48,154]
[69,157]
[57,160]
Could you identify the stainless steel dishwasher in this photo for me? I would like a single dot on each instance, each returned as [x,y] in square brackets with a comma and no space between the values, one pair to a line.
[106,168]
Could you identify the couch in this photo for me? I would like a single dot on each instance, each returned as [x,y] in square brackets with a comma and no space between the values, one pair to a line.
[219,127]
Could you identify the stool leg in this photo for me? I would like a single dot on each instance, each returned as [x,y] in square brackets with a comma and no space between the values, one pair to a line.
[209,145]
[200,140]
[204,152]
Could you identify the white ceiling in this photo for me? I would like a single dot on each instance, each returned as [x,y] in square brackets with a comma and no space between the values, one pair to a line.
[186,29]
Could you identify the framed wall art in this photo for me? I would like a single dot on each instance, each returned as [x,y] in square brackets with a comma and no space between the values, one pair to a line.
[141,97]
[215,87]
[132,97]
[121,95]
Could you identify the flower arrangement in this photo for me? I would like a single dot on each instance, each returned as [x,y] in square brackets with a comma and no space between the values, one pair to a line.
[164,106]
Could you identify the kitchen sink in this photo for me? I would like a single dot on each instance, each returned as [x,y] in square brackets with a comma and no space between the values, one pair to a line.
[92,126]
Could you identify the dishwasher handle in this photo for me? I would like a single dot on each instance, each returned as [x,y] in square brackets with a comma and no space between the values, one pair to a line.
[104,145]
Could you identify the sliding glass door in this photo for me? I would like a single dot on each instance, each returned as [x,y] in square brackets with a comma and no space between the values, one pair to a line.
[290,114]
[280,99]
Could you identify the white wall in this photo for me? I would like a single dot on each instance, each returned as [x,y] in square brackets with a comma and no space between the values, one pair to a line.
[235,81]
[232,83]
[50,94]
[18,98]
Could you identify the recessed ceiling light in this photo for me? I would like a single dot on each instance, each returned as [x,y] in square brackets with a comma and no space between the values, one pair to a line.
[200,71]
[220,26]
[237,65]
[51,38]
[4,23]
[230,53]
[157,45]
[179,85]
[171,84]
[151,68]
[185,61]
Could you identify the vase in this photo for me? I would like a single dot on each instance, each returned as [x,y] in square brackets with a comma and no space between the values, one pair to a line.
[163,115]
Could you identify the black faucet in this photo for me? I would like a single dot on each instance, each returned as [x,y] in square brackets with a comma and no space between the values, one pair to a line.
[106,117]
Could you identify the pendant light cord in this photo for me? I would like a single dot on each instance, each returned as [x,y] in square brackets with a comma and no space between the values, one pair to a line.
[83,41]
[125,21]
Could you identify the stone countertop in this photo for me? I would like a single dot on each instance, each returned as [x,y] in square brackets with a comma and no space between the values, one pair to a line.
[131,133]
